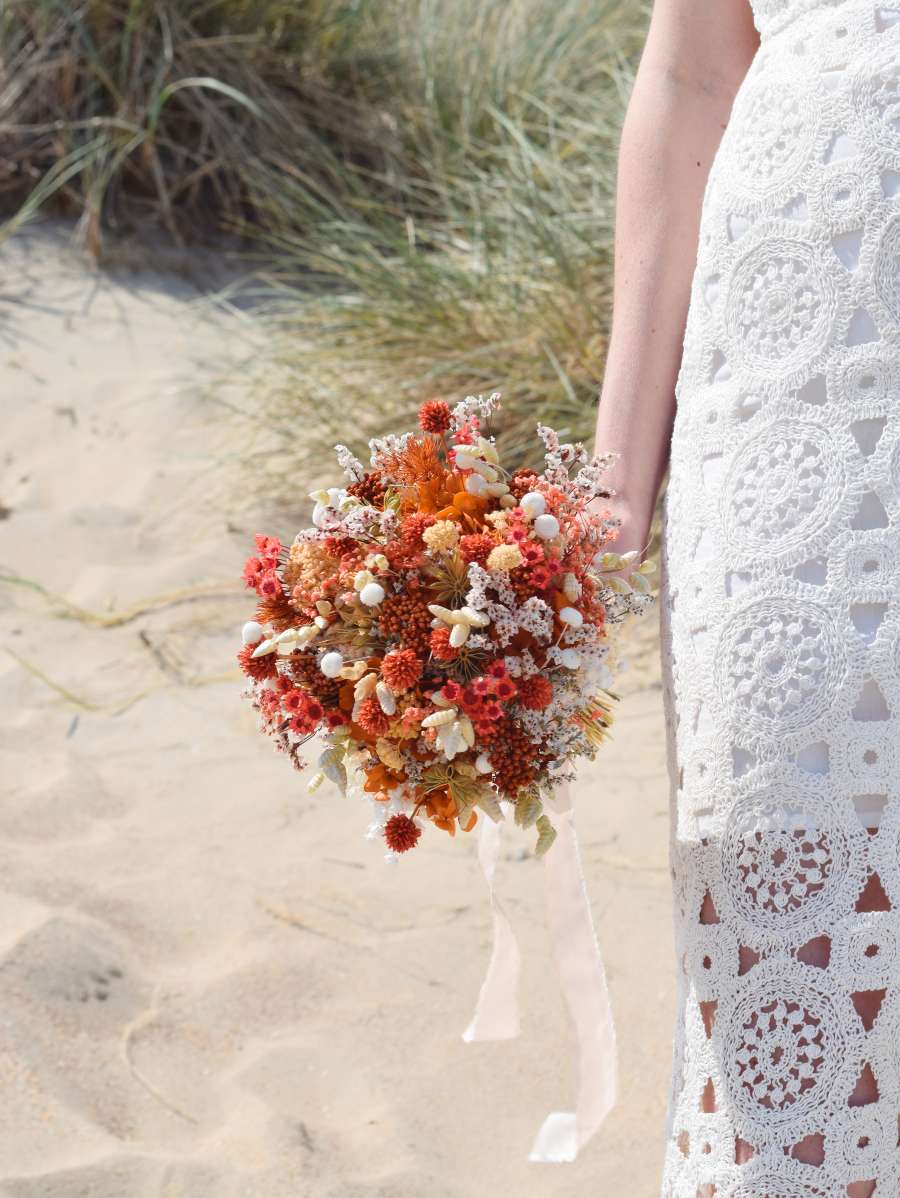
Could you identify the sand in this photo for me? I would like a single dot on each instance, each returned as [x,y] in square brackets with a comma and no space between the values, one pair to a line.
[211,986]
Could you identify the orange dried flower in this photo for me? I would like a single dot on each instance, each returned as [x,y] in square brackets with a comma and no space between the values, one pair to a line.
[309,567]
[276,610]
[259,668]
[415,463]
[371,718]
[401,833]
[401,670]
[441,649]
[412,528]
[434,416]
[475,547]
[535,692]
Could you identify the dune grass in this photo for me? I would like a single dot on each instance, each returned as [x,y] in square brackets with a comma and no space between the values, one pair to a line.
[476,253]
[164,105]
[428,184]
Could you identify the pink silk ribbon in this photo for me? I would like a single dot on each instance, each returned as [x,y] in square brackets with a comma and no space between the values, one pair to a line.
[581,973]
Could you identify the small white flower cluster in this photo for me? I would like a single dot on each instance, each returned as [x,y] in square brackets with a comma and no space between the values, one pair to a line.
[349,463]
[507,613]
[521,665]
[474,405]
[561,458]
[387,447]
[536,616]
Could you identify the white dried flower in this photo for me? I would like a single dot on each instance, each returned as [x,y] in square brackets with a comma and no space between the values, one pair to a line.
[252,632]
[372,594]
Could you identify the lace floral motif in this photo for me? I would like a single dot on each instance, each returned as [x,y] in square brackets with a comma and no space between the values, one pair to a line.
[781,629]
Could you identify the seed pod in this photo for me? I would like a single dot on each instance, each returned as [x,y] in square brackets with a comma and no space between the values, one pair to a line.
[441,613]
[571,587]
[640,583]
[488,473]
[607,561]
[474,618]
[459,634]
[438,718]
[386,698]
[365,687]
[266,647]
[353,671]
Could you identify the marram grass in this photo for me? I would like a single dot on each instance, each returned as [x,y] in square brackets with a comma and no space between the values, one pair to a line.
[474,253]
[430,183]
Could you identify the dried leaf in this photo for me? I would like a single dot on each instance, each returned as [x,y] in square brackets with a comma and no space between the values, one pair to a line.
[528,808]
[389,754]
[546,835]
[331,764]
[490,805]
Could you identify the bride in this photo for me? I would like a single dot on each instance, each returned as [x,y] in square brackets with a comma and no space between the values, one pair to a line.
[755,353]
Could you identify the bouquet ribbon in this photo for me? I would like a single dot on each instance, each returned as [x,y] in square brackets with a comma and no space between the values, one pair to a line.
[581,973]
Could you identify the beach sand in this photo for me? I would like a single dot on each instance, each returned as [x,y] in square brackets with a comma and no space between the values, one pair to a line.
[211,985]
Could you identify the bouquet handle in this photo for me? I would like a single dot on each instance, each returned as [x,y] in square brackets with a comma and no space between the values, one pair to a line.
[582,976]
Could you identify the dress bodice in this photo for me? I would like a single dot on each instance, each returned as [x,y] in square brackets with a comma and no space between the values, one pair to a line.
[771,15]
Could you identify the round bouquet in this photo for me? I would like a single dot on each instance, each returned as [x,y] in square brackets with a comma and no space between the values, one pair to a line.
[443,626]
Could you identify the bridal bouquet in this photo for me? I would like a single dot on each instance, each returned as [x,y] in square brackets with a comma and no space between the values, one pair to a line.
[443,626]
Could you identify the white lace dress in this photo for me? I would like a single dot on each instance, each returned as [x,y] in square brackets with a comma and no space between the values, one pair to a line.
[781,629]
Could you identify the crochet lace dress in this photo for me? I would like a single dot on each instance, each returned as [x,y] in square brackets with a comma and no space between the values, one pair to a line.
[781,629]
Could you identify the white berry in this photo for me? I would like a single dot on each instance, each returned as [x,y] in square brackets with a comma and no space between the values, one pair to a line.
[252,632]
[571,616]
[331,664]
[372,594]
[546,527]
[533,503]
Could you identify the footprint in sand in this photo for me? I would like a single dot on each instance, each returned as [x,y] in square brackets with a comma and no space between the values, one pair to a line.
[70,966]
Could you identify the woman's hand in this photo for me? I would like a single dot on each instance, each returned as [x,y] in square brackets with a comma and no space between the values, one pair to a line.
[697,54]
[633,533]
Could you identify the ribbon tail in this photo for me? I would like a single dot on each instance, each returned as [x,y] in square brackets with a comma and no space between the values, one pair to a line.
[583,979]
[496,1014]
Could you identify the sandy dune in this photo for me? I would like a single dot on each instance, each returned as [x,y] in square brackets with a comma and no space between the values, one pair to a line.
[210,984]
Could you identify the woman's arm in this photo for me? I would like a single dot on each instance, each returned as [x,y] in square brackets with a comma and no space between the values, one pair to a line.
[696,54]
